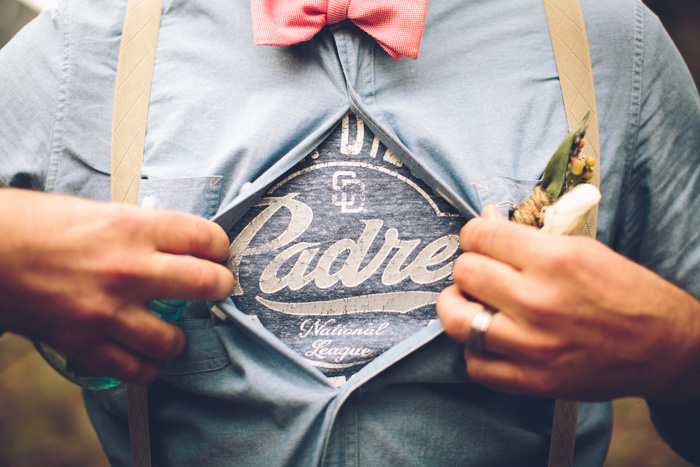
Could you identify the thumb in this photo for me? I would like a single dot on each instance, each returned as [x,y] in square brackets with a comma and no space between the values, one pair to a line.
[491,212]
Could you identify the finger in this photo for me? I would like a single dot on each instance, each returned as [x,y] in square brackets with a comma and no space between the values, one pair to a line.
[112,360]
[182,233]
[508,242]
[456,314]
[174,276]
[491,212]
[514,376]
[497,373]
[491,281]
[142,332]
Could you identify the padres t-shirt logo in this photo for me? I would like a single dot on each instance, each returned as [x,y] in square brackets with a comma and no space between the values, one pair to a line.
[345,255]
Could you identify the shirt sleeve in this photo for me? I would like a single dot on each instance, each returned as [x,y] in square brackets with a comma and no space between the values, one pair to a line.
[30,74]
[661,215]
[659,209]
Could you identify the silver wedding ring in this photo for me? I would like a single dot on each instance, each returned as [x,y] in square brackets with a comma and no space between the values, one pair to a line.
[480,324]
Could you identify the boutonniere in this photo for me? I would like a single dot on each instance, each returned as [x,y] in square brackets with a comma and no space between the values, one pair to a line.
[563,199]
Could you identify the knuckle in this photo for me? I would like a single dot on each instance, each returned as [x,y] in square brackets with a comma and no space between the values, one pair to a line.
[464,234]
[583,258]
[128,369]
[474,234]
[481,234]
[567,255]
[124,219]
[452,319]
[466,270]
[150,372]
[461,267]
[549,351]
[558,259]
[117,274]
[87,326]
[441,305]
[543,383]
[157,339]
[542,304]
[137,371]
[199,237]
[170,344]
[450,322]
[546,350]
[205,281]
[96,313]
[116,216]
[534,303]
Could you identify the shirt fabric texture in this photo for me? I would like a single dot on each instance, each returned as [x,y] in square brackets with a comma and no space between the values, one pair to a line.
[476,118]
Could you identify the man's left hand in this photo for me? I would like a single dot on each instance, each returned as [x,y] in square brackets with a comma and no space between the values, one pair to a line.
[574,319]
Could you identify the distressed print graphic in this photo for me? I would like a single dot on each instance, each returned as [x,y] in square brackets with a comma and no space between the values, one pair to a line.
[345,255]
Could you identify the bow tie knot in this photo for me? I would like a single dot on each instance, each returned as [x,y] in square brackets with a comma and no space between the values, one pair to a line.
[396,25]
[337,11]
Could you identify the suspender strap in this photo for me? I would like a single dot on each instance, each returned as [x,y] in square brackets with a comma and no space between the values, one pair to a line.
[132,90]
[570,45]
[131,95]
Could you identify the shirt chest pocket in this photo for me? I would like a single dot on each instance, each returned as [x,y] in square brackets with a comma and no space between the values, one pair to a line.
[200,196]
[504,193]
[204,352]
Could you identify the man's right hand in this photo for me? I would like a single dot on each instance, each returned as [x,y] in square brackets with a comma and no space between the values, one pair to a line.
[77,275]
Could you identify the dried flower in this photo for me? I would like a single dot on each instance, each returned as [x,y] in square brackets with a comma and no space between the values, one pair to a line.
[566,169]
[571,210]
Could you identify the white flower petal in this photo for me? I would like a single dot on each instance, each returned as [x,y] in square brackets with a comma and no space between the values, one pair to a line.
[569,212]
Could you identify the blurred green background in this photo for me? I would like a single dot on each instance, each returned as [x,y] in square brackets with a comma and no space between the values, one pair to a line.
[42,419]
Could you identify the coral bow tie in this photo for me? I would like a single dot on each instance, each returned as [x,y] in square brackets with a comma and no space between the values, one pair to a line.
[396,25]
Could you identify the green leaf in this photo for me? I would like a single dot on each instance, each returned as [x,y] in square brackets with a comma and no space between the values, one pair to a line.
[555,172]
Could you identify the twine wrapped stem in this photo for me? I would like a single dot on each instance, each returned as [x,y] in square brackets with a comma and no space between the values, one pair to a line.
[531,210]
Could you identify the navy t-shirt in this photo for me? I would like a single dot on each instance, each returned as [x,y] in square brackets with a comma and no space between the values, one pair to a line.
[345,255]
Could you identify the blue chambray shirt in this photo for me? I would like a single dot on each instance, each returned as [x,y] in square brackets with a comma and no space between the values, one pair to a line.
[476,116]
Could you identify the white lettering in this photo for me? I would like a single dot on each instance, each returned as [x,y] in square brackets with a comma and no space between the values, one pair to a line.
[322,350]
[391,158]
[325,329]
[435,253]
[354,148]
[375,148]
[297,277]
[430,265]
[301,218]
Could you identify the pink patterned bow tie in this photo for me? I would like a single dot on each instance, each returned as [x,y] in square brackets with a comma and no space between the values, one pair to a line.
[396,25]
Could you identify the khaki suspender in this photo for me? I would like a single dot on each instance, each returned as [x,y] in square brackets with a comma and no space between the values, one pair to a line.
[570,45]
[137,53]
[131,96]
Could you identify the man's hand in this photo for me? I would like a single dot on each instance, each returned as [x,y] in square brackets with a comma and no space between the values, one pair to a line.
[575,319]
[77,275]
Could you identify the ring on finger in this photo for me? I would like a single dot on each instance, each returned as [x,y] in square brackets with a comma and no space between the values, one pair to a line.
[480,324]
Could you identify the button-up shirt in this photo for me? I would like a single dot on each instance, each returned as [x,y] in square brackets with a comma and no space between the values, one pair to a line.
[476,118]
